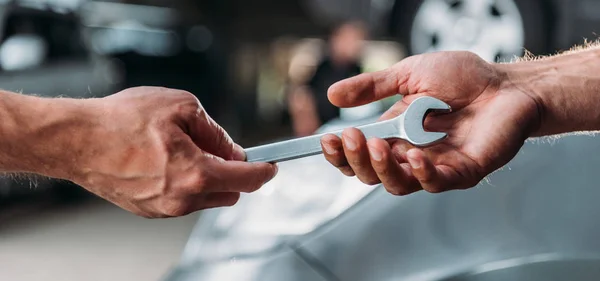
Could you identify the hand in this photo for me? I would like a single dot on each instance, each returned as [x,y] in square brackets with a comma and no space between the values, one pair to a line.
[156,153]
[490,121]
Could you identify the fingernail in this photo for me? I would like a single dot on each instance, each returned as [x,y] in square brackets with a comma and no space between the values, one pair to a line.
[350,143]
[414,163]
[238,153]
[375,153]
[328,148]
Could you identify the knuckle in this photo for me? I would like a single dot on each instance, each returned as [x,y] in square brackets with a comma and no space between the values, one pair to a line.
[198,182]
[399,190]
[434,189]
[396,191]
[145,215]
[186,103]
[356,163]
[222,140]
[340,162]
[337,159]
[382,169]
[346,170]
[176,209]
[370,180]
[185,95]
[426,179]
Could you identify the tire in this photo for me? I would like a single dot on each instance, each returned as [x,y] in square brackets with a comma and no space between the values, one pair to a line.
[533,15]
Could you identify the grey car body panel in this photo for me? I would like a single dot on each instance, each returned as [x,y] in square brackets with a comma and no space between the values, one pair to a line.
[286,265]
[545,202]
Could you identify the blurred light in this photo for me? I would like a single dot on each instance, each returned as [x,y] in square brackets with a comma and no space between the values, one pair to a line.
[22,51]
[379,55]
[199,38]
[35,4]
[132,36]
[61,6]
[103,14]
[163,43]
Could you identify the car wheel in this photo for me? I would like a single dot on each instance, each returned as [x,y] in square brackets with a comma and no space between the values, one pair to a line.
[496,30]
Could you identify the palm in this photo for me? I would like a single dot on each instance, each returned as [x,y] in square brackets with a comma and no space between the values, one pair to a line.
[482,136]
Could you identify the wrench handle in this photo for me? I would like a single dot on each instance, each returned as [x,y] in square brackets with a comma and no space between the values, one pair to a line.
[285,150]
[311,145]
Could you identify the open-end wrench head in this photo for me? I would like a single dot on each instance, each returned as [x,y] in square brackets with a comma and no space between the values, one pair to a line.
[414,116]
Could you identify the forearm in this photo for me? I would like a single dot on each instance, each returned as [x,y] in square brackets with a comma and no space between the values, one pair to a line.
[37,134]
[566,88]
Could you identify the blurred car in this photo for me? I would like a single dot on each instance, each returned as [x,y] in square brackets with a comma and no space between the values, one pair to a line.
[158,43]
[42,51]
[533,220]
[494,29]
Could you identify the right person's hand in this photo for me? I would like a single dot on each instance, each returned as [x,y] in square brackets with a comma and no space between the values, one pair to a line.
[489,123]
[157,153]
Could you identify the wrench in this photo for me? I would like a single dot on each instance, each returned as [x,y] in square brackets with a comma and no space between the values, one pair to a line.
[408,126]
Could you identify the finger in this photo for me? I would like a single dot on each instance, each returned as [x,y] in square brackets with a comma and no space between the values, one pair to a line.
[357,153]
[334,154]
[369,87]
[394,178]
[430,177]
[212,138]
[220,199]
[236,176]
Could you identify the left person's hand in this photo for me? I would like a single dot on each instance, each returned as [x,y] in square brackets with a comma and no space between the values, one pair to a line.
[490,121]
[154,152]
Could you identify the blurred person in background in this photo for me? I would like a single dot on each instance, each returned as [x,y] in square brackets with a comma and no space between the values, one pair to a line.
[308,104]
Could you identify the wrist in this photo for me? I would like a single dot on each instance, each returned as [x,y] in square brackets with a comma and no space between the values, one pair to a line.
[564,89]
[44,135]
[520,79]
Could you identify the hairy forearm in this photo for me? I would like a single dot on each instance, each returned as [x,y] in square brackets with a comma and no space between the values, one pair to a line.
[566,87]
[36,134]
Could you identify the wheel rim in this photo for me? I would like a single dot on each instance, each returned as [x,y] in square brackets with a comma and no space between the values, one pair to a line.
[493,29]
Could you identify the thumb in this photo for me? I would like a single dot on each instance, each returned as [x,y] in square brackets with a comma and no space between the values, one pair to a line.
[369,87]
[235,176]
[212,138]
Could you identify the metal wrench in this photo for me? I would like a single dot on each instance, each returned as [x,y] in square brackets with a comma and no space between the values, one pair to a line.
[408,126]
